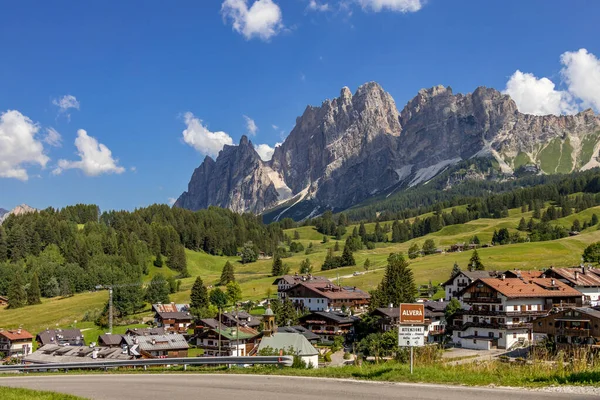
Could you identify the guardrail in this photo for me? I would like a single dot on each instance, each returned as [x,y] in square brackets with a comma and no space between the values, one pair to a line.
[284,361]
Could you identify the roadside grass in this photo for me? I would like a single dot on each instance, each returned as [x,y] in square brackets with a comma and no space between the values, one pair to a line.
[7,393]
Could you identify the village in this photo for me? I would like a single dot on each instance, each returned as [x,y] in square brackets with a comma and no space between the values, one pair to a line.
[482,313]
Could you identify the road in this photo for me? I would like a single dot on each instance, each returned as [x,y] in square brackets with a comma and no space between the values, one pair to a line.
[253,387]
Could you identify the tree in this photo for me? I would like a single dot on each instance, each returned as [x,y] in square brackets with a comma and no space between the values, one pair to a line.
[173,285]
[158,290]
[429,247]
[218,298]
[51,288]
[398,284]
[228,274]
[199,295]
[414,251]
[594,222]
[347,259]
[451,309]
[17,297]
[177,260]
[66,287]
[367,264]
[285,314]
[325,239]
[455,270]
[296,235]
[336,247]
[277,267]
[576,227]
[3,245]
[475,240]
[362,232]
[475,263]
[128,299]
[34,293]
[591,254]
[522,225]
[249,253]
[234,292]
[158,261]
[306,267]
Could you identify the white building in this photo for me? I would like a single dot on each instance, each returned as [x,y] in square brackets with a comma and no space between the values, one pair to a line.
[294,343]
[502,309]
[16,343]
[584,279]
[287,281]
[455,284]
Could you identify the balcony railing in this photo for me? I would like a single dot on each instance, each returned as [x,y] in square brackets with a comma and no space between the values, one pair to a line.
[482,300]
[503,313]
[485,325]
[573,332]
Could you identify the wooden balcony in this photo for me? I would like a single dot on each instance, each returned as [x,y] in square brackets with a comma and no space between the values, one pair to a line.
[573,332]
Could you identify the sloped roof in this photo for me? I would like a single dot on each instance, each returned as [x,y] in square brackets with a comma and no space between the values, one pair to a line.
[473,275]
[339,318]
[517,273]
[332,292]
[539,287]
[110,339]
[299,329]
[50,336]
[286,341]
[52,354]
[17,334]
[145,331]
[180,316]
[158,342]
[293,279]
[577,276]
[171,307]
[232,334]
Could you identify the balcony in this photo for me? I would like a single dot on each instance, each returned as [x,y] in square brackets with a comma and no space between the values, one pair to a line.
[485,325]
[573,332]
[482,300]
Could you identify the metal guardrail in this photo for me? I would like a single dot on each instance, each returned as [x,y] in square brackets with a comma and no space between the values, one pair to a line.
[185,361]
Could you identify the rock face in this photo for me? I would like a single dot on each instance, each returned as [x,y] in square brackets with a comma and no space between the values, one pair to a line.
[355,146]
[18,210]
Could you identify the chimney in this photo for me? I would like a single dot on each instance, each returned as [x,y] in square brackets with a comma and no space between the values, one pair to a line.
[391,305]
[153,341]
[553,282]
[577,274]
[583,269]
[503,277]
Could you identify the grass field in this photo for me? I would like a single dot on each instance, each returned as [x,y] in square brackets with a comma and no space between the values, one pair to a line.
[256,282]
[7,393]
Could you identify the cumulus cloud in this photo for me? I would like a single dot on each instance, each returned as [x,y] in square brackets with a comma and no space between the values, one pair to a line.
[199,137]
[581,72]
[538,96]
[313,5]
[403,6]
[171,200]
[19,145]
[66,103]
[251,125]
[53,138]
[265,151]
[263,19]
[96,158]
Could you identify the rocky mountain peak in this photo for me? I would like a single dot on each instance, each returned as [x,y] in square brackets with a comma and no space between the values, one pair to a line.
[18,210]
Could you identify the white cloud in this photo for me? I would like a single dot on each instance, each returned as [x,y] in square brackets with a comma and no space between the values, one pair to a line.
[19,146]
[53,138]
[313,5]
[275,127]
[538,96]
[199,137]
[581,72]
[66,102]
[251,125]
[403,6]
[263,19]
[265,151]
[133,169]
[171,200]
[96,158]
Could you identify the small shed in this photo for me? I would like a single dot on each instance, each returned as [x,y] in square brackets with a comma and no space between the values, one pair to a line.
[292,342]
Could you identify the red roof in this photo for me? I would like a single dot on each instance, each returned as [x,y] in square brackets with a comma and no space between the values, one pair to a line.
[18,334]
[538,287]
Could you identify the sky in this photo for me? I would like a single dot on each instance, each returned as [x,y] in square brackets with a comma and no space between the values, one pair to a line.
[115,103]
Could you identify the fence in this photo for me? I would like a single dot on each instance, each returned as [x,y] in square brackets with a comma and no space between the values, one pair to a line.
[283,361]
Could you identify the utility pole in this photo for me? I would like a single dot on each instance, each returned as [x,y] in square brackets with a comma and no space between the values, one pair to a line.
[237,330]
[110,309]
[219,331]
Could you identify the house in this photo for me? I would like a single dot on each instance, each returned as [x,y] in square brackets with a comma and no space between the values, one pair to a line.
[110,340]
[55,354]
[313,338]
[3,301]
[287,281]
[328,325]
[145,331]
[290,343]
[502,310]
[529,274]
[461,280]
[15,343]
[241,318]
[157,346]
[435,320]
[227,341]
[62,337]
[573,326]
[172,317]
[584,279]
[322,296]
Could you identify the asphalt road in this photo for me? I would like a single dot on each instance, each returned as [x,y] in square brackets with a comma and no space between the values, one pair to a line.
[252,387]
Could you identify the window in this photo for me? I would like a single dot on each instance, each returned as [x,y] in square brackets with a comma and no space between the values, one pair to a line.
[500,335]
[491,334]
[528,307]
[514,335]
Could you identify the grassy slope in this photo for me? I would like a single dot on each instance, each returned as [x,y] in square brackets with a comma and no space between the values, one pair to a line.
[256,282]
[26,394]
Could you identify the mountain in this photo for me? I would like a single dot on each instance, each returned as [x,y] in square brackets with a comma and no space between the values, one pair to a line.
[18,210]
[357,146]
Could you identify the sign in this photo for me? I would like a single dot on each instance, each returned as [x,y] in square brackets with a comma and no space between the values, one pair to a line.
[411,336]
[412,314]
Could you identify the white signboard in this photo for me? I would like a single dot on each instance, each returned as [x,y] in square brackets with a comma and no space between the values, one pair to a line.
[411,336]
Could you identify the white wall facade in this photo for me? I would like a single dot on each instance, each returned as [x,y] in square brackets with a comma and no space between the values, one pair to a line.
[459,282]
[312,361]
[312,303]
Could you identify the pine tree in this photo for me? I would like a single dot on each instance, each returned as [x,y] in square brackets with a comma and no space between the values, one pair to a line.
[429,247]
[277,266]
[594,222]
[296,235]
[17,297]
[234,292]
[3,245]
[66,287]
[475,263]
[576,227]
[228,274]
[286,314]
[398,284]
[337,246]
[199,295]
[34,293]
[306,267]
[367,264]
[522,225]
[178,261]
[218,298]
[413,251]
[347,258]
[325,239]
[158,290]
[455,270]
[158,261]
[362,232]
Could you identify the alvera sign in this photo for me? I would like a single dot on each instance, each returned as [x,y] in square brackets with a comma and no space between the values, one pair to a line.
[412,314]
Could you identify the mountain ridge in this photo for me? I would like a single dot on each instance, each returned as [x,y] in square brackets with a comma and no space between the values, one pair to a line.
[357,145]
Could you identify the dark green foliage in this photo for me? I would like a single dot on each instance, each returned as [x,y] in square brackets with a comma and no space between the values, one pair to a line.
[173,284]
[178,261]
[249,253]
[67,288]
[158,290]
[347,258]
[158,261]
[354,243]
[128,299]
[325,239]
[501,237]
[593,222]
[306,267]
[455,270]
[296,235]
[285,313]
[367,264]
[414,251]
[429,247]
[576,227]
[17,297]
[277,267]
[522,225]
[398,284]
[199,295]
[218,298]
[336,247]
[34,293]
[591,253]
[51,289]
[475,240]
[296,247]
[3,245]
[234,292]
[475,263]
[227,275]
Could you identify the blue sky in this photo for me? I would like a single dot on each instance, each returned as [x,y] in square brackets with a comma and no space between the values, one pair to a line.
[140,73]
